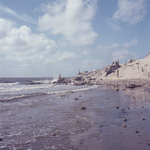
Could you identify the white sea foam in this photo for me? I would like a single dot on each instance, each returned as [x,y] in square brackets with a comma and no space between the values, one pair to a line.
[22,96]
[29,87]
[6,84]
[74,90]
[54,80]
[42,82]
[24,88]
[53,92]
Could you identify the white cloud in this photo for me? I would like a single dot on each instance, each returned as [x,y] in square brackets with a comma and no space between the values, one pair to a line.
[71,18]
[131,44]
[123,55]
[21,40]
[13,13]
[86,51]
[113,25]
[65,55]
[62,42]
[105,49]
[131,11]
[91,64]
[20,45]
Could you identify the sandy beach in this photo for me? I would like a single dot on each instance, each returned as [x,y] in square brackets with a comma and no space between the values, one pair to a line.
[95,110]
[95,119]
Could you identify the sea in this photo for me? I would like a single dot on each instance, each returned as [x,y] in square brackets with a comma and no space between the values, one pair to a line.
[32,108]
[38,115]
[17,88]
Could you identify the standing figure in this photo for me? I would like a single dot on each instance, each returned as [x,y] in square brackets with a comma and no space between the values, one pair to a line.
[79,72]
[59,76]
[117,73]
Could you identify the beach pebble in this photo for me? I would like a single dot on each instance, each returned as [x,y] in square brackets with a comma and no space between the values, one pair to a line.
[125,120]
[136,131]
[75,98]
[101,126]
[143,119]
[53,134]
[1,139]
[117,107]
[124,126]
[117,89]
[83,107]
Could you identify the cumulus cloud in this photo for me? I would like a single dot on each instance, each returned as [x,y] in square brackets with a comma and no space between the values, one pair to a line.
[65,55]
[105,49]
[86,51]
[21,46]
[131,11]
[62,42]
[123,55]
[22,40]
[91,64]
[113,25]
[13,13]
[71,18]
[130,44]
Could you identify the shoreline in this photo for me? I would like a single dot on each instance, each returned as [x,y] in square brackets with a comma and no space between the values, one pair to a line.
[119,123]
[65,125]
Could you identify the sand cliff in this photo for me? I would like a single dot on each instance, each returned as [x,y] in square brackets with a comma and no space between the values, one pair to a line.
[133,72]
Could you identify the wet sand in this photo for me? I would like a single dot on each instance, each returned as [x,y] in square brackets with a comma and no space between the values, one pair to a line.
[58,122]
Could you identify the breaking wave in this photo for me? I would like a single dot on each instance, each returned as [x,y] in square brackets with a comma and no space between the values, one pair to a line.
[48,93]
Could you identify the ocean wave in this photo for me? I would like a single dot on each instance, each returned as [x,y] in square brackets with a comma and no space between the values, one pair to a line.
[41,81]
[23,96]
[6,84]
[24,88]
[29,88]
[49,93]
[73,90]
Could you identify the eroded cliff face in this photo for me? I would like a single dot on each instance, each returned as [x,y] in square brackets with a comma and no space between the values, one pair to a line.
[95,75]
[133,69]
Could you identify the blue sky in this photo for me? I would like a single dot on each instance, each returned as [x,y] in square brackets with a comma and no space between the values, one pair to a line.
[47,38]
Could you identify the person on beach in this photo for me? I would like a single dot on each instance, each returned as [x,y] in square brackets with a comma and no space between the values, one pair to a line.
[117,73]
[79,72]
[59,76]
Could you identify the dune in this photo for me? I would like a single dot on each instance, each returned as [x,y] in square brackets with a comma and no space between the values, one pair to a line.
[134,69]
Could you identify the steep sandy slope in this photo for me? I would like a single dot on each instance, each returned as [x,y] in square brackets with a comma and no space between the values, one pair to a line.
[136,69]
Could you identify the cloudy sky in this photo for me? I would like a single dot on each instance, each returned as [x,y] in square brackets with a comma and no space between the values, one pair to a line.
[42,38]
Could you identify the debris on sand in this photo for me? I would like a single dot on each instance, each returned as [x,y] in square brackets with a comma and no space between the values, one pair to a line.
[124,126]
[125,120]
[83,108]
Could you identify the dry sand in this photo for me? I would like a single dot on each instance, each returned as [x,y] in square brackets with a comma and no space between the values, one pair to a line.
[137,69]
